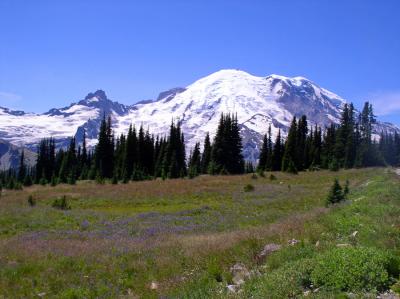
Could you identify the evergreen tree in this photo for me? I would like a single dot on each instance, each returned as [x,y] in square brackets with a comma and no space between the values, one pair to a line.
[290,154]
[195,161]
[104,153]
[266,153]
[262,161]
[206,155]
[174,164]
[268,165]
[45,163]
[277,153]
[69,164]
[226,154]
[367,152]
[21,168]
[328,146]
[301,154]
[335,194]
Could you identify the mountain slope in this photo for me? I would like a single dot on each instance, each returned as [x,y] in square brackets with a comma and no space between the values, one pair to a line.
[257,101]
[26,129]
[10,156]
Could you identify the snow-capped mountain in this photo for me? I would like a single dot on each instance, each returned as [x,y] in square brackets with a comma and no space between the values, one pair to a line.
[257,101]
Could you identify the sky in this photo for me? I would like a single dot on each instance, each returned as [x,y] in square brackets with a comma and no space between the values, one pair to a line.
[53,53]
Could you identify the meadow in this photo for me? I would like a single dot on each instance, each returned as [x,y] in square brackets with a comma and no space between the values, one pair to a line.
[180,238]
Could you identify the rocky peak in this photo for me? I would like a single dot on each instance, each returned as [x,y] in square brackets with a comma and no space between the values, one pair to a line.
[98,94]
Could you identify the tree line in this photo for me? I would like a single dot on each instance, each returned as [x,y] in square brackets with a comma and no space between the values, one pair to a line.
[349,144]
[139,155]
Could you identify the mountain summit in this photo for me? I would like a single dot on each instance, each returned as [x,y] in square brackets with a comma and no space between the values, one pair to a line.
[257,101]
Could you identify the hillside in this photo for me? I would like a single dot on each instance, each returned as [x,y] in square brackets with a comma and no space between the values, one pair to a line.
[201,238]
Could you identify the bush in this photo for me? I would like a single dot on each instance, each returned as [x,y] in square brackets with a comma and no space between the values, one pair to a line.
[43,182]
[288,281]
[61,203]
[17,186]
[248,188]
[214,270]
[31,201]
[260,173]
[347,269]
[351,269]
[100,180]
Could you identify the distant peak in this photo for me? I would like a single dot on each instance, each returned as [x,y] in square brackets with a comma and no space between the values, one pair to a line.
[99,94]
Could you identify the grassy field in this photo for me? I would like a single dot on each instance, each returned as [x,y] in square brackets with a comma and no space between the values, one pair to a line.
[179,238]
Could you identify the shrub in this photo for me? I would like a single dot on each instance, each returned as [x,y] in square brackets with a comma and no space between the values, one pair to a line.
[17,186]
[31,201]
[100,180]
[61,203]
[214,270]
[351,269]
[43,182]
[288,281]
[346,269]
[335,194]
[260,172]
[248,188]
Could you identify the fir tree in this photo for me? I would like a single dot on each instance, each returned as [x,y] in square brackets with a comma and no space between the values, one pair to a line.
[104,153]
[262,160]
[195,161]
[206,155]
[277,153]
[226,154]
[21,168]
[301,157]
[335,194]
[290,154]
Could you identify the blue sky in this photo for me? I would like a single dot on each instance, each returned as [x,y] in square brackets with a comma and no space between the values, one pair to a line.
[55,52]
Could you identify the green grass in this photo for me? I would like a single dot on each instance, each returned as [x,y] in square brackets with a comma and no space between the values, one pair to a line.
[184,235]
